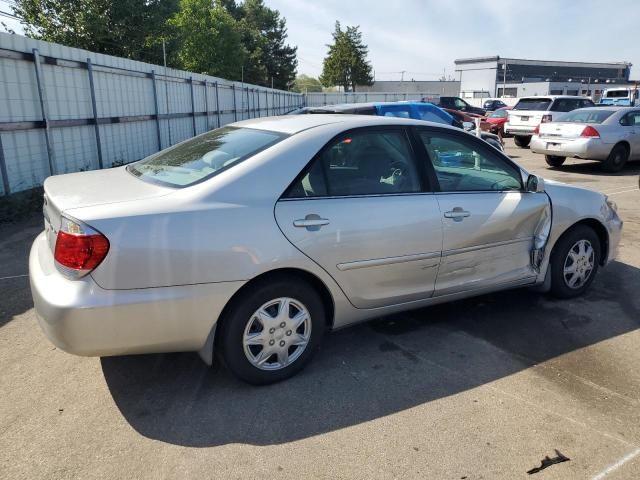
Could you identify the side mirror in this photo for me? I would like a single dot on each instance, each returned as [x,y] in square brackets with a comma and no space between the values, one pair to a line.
[535,184]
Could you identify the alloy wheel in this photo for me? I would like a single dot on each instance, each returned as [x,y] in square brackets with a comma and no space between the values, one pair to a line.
[579,264]
[277,334]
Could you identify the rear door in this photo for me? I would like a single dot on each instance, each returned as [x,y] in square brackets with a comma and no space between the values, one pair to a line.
[362,211]
[489,222]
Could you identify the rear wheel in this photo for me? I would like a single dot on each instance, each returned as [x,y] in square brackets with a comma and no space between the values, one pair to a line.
[554,161]
[574,262]
[522,141]
[616,159]
[271,333]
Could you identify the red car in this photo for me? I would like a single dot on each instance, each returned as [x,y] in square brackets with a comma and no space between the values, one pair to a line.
[497,119]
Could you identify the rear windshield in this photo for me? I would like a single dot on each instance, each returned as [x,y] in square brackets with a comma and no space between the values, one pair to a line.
[533,104]
[502,113]
[617,94]
[204,156]
[587,116]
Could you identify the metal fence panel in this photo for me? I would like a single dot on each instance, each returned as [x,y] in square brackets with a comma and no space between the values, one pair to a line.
[48,115]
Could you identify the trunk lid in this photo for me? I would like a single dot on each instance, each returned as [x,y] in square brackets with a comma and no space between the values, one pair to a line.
[561,130]
[85,189]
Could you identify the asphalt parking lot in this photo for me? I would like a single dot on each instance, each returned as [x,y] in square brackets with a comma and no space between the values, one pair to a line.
[478,389]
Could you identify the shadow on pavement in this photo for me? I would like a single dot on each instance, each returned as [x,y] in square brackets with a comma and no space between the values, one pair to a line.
[590,167]
[372,370]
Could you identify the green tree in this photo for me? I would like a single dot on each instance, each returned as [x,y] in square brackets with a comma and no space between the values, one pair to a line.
[126,28]
[264,35]
[346,63]
[304,83]
[209,39]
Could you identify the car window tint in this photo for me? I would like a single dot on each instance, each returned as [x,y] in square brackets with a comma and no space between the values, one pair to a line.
[397,113]
[361,163]
[460,166]
[533,104]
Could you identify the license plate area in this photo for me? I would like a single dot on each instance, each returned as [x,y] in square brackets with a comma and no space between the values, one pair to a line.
[525,119]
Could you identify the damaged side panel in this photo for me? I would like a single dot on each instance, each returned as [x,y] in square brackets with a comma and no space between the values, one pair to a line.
[541,238]
[501,240]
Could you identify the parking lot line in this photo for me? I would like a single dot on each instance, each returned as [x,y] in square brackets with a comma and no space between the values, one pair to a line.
[14,276]
[616,192]
[613,467]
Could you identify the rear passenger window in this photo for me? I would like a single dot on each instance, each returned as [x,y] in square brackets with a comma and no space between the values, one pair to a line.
[361,163]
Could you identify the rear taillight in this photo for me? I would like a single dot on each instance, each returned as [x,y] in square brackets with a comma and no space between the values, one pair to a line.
[79,248]
[536,131]
[591,132]
[546,118]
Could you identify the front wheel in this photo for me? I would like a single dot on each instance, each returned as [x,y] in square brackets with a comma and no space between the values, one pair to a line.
[522,141]
[271,333]
[574,262]
[554,161]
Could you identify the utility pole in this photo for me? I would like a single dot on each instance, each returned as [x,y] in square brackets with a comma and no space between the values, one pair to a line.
[164,53]
[402,75]
[504,80]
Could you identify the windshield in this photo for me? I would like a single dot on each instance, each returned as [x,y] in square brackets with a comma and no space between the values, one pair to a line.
[587,116]
[204,156]
[617,94]
[502,113]
[533,104]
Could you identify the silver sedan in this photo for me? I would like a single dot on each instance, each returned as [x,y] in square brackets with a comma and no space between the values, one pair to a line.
[608,134]
[255,239]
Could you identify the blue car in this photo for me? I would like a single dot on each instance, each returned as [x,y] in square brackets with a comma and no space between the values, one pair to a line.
[415,110]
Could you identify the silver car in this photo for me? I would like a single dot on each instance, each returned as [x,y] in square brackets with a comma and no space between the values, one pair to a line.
[608,134]
[257,238]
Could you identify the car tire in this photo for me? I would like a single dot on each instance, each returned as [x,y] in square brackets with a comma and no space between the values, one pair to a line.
[241,354]
[616,159]
[572,271]
[522,141]
[554,161]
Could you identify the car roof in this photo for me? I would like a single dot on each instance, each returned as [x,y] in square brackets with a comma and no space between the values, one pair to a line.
[291,124]
[553,97]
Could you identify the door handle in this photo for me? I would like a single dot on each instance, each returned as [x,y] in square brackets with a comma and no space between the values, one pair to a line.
[457,214]
[311,222]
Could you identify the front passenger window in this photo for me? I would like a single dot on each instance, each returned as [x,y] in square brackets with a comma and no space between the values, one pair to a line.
[462,167]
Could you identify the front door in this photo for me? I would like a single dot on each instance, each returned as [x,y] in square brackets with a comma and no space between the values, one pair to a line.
[489,221]
[362,211]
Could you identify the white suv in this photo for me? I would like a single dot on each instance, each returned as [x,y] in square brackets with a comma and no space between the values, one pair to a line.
[529,112]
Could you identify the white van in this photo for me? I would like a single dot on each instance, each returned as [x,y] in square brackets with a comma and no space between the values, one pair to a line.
[530,112]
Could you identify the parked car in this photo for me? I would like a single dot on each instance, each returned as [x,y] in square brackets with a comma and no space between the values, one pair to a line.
[529,112]
[497,119]
[469,118]
[456,103]
[256,238]
[416,110]
[493,104]
[608,134]
[621,96]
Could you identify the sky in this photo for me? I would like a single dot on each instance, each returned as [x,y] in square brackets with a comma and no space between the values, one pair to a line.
[424,37]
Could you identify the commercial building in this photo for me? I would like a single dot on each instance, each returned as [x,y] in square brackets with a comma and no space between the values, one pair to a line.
[512,77]
[443,88]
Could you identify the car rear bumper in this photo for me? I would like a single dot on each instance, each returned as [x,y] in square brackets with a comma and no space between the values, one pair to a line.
[587,148]
[524,130]
[81,318]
